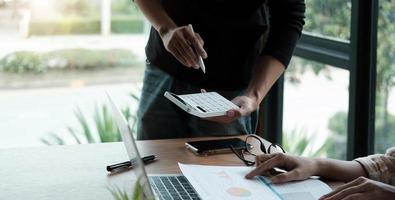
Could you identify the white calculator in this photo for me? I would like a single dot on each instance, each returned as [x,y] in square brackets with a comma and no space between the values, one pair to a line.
[209,104]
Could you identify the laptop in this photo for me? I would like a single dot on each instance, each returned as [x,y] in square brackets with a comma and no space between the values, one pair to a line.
[164,186]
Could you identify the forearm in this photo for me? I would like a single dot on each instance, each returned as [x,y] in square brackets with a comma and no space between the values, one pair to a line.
[266,72]
[154,12]
[338,169]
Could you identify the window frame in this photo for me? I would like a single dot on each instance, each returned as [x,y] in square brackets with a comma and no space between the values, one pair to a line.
[358,56]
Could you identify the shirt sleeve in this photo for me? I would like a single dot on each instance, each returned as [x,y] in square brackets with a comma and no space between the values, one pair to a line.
[286,24]
[380,167]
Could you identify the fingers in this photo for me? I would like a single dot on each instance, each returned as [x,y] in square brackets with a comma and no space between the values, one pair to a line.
[275,160]
[233,113]
[243,111]
[258,162]
[178,44]
[237,112]
[196,41]
[199,39]
[355,186]
[185,51]
[346,192]
[198,47]
[185,45]
[349,184]
[221,119]
[178,53]
[293,175]
[172,46]
[203,91]
[262,158]
[245,108]
[189,54]
[359,196]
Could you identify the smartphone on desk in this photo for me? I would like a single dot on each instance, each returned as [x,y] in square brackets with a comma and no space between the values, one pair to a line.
[209,147]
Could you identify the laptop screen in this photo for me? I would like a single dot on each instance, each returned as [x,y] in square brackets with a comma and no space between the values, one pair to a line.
[138,168]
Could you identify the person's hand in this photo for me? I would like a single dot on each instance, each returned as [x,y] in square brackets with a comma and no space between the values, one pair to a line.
[361,188]
[179,43]
[299,168]
[246,106]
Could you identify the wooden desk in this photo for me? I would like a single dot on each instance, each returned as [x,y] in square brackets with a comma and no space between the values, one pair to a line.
[78,171]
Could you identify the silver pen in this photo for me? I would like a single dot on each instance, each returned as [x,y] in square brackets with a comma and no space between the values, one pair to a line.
[200,59]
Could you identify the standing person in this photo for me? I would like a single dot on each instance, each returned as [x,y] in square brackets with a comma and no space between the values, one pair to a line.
[246,46]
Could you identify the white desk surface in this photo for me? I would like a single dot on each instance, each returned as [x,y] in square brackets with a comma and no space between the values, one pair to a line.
[61,172]
[79,171]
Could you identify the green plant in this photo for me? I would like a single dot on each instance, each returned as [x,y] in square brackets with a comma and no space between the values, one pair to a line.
[385,131]
[329,17]
[85,59]
[299,66]
[64,26]
[298,142]
[118,193]
[105,129]
[23,61]
[66,59]
[385,121]
[138,193]
[127,24]
[81,8]
[79,25]
[124,7]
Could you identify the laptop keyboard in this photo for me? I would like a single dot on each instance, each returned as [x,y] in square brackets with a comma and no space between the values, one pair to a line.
[173,188]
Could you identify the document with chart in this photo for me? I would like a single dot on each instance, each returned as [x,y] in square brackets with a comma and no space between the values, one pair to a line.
[224,182]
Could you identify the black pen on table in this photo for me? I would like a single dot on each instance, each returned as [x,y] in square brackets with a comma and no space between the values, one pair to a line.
[129,164]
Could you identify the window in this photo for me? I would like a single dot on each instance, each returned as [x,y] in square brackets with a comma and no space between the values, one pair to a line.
[328,18]
[385,85]
[57,59]
[315,109]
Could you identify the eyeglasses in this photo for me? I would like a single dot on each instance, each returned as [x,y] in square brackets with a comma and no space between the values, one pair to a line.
[253,147]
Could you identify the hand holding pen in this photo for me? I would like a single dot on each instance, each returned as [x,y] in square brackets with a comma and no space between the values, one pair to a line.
[185,45]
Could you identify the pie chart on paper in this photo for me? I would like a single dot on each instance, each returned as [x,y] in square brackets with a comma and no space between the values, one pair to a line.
[238,192]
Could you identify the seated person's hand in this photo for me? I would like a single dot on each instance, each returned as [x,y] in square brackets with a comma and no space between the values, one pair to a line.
[362,188]
[179,42]
[298,168]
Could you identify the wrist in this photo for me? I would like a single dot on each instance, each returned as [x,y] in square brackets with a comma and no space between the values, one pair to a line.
[164,29]
[319,166]
[255,95]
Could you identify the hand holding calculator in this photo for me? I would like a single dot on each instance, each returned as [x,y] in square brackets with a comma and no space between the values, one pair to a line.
[209,104]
